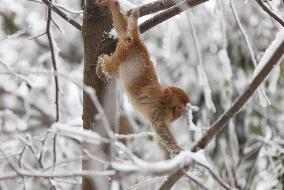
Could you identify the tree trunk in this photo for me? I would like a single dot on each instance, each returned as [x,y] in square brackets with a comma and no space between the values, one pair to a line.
[96,22]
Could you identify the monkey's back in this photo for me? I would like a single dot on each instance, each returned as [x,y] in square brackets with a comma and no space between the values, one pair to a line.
[138,76]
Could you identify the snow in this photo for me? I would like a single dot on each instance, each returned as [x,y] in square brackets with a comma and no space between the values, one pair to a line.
[202,51]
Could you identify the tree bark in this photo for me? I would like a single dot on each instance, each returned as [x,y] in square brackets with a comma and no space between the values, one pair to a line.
[96,22]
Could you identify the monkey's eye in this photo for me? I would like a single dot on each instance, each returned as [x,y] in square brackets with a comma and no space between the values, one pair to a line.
[128,39]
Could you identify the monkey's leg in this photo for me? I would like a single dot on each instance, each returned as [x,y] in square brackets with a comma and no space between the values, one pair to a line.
[120,20]
[106,68]
[118,16]
[133,29]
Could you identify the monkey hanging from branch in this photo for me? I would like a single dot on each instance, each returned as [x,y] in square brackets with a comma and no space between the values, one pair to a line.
[131,63]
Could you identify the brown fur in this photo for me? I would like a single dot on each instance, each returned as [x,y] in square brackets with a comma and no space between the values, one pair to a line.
[131,63]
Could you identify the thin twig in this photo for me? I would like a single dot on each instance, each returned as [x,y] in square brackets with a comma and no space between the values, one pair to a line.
[201,71]
[56,25]
[196,181]
[38,35]
[63,15]
[20,165]
[71,174]
[145,183]
[243,32]
[54,149]
[53,58]
[40,157]
[270,58]
[261,91]
[215,176]
[272,14]
[61,7]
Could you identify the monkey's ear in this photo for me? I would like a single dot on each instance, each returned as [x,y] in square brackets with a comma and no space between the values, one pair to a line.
[167,93]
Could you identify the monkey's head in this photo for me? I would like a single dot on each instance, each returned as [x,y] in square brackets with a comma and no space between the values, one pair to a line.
[175,101]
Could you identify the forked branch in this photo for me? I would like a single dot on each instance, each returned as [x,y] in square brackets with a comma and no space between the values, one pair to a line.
[270,12]
[53,59]
[63,15]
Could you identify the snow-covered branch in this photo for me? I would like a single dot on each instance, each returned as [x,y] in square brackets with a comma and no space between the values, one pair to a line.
[159,167]
[24,173]
[79,134]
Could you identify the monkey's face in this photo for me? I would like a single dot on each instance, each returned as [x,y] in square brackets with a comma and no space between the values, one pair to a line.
[175,112]
[175,101]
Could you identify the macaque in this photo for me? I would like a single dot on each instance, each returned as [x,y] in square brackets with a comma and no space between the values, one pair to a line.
[131,63]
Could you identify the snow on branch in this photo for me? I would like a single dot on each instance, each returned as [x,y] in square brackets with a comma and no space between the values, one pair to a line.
[78,133]
[134,135]
[137,164]
[160,167]
[24,173]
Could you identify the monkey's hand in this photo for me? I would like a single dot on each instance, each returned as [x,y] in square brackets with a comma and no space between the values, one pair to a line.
[107,3]
[166,138]
[99,70]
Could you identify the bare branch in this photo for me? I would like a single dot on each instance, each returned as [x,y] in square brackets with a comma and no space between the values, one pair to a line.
[171,12]
[63,15]
[154,7]
[271,57]
[272,14]
[53,58]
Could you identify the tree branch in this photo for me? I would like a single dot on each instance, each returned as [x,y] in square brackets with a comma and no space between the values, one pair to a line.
[272,14]
[155,6]
[63,15]
[171,12]
[53,58]
[271,57]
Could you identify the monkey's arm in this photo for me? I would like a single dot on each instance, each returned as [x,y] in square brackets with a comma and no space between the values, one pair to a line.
[119,19]
[133,29]
[166,138]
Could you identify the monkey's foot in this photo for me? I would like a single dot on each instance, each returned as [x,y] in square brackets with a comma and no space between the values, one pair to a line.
[135,13]
[107,3]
